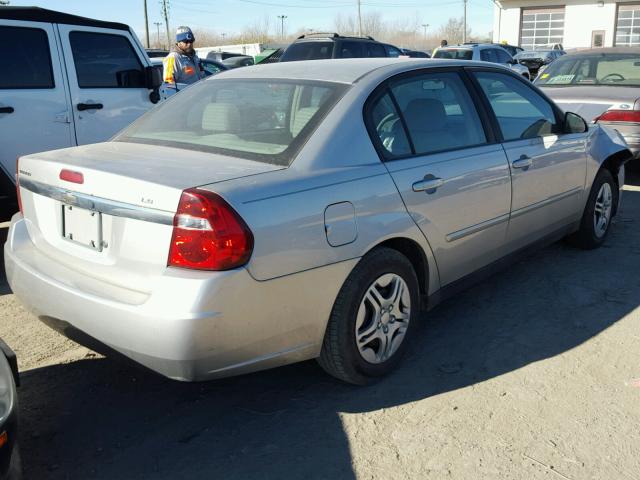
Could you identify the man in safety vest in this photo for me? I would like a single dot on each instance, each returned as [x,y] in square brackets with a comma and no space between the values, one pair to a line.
[183,65]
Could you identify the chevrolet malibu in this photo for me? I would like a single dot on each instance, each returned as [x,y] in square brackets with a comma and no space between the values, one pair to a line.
[291,211]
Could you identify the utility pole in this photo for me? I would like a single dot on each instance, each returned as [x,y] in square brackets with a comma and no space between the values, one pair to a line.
[223,35]
[425,26]
[359,20]
[146,23]
[282,17]
[464,32]
[157,24]
[165,14]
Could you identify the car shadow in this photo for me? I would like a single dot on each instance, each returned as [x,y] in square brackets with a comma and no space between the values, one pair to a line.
[102,418]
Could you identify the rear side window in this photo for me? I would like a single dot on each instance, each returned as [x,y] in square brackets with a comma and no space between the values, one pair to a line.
[502,55]
[308,51]
[27,63]
[105,61]
[455,54]
[438,112]
[376,50]
[520,111]
[488,55]
[351,50]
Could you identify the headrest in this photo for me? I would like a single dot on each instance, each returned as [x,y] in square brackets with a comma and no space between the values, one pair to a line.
[221,117]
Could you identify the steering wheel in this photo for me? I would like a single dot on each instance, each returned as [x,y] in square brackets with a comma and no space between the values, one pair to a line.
[614,77]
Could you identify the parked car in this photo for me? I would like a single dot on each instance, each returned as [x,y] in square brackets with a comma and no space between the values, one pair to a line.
[602,85]
[68,81]
[156,52]
[220,56]
[535,59]
[10,468]
[483,52]
[414,53]
[236,62]
[283,216]
[318,46]
[512,49]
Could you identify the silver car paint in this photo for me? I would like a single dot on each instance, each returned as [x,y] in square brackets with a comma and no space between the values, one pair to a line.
[193,325]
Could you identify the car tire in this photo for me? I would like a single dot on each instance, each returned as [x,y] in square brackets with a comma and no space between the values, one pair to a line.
[598,212]
[372,319]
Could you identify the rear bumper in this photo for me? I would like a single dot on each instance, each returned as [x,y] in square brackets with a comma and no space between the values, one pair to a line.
[193,325]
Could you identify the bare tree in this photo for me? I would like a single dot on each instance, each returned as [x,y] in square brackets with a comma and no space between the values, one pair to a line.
[452,31]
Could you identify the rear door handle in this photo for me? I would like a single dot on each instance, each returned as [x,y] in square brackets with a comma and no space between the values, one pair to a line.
[6,110]
[89,106]
[523,162]
[428,185]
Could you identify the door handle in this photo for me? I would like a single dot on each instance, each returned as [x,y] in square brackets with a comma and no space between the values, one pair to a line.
[6,110]
[523,162]
[89,106]
[429,184]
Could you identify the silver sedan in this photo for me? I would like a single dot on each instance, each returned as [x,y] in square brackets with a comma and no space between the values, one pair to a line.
[602,85]
[284,212]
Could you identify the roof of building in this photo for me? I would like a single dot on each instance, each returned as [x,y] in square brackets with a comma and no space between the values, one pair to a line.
[36,14]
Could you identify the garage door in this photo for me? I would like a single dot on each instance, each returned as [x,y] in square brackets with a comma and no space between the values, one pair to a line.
[628,26]
[541,27]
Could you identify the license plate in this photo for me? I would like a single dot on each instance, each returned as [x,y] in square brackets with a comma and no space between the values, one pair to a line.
[83,227]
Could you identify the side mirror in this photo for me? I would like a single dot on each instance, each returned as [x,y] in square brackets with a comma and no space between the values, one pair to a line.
[574,123]
[153,77]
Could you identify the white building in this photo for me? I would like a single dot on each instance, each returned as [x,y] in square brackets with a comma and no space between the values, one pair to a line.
[572,23]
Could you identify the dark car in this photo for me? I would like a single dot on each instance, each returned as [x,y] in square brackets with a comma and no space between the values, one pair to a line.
[156,52]
[535,59]
[240,61]
[414,53]
[322,46]
[512,49]
[9,456]
[211,67]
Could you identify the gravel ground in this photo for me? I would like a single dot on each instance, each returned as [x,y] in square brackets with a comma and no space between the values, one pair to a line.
[532,374]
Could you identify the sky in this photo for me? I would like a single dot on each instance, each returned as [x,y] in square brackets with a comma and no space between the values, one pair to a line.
[230,16]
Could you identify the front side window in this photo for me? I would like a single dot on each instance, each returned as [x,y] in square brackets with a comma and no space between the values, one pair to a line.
[28,64]
[376,50]
[488,55]
[262,120]
[438,112]
[393,51]
[503,56]
[520,111]
[105,61]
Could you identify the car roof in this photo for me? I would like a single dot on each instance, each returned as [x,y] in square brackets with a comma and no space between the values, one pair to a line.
[591,51]
[349,70]
[37,14]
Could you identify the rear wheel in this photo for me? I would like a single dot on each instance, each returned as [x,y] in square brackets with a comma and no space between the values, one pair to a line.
[598,213]
[372,318]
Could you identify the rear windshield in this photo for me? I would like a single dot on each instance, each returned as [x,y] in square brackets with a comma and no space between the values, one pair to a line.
[263,120]
[455,54]
[308,51]
[611,69]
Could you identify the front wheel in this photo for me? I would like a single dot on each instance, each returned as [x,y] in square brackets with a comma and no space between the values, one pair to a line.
[372,318]
[598,213]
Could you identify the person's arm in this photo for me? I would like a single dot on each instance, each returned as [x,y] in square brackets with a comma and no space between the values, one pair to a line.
[168,67]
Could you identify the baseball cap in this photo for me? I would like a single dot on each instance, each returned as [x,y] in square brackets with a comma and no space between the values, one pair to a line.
[184,34]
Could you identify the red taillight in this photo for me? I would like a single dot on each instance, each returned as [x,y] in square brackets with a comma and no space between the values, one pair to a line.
[208,234]
[71,176]
[18,184]
[630,116]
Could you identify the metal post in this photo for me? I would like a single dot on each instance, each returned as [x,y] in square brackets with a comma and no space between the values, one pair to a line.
[146,23]
[165,14]
[157,24]
[425,26]
[464,32]
[359,20]
[282,17]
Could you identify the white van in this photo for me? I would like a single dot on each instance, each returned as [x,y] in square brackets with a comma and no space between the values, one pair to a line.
[66,81]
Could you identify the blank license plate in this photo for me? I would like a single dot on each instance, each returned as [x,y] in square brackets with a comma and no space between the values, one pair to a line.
[82,226]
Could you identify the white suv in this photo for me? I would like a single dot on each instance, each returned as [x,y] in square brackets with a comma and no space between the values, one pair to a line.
[485,52]
[68,81]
